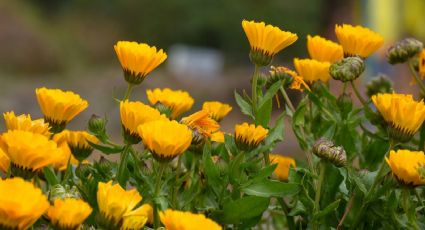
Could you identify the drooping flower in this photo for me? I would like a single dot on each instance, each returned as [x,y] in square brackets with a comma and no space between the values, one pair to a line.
[59,107]
[283,165]
[133,114]
[24,122]
[216,109]
[422,64]
[289,77]
[324,50]
[21,204]
[114,202]
[137,218]
[358,40]
[179,220]
[68,213]
[248,137]
[405,165]
[266,41]
[138,60]
[202,126]
[175,101]
[165,139]
[311,70]
[29,152]
[403,114]
[77,142]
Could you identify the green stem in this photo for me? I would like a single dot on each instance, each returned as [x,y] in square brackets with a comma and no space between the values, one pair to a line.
[156,220]
[408,209]
[68,171]
[122,166]
[415,75]
[254,90]
[289,219]
[356,91]
[128,91]
[176,185]
[344,87]
[266,158]
[287,100]
[322,166]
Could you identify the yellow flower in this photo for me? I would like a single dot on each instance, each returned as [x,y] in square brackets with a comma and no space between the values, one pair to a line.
[248,136]
[68,213]
[311,70]
[289,77]
[217,137]
[114,202]
[422,64]
[177,101]
[266,41]
[134,114]
[201,124]
[358,40]
[4,161]
[324,50]
[283,165]
[179,220]
[59,107]
[77,142]
[165,139]
[138,60]
[24,122]
[405,164]
[29,152]
[216,110]
[21,204]
[137,218]
[404,115]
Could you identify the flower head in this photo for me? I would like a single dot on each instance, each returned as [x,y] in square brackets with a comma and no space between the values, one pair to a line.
[405,165]
[216,109]
[78,142]
[138,60]
[4,161]
[358,40]
[290,78]
[422,63]
[403,50]
[177,101]
[266,41]
[68,213]
[248,136]
[217,137]
[24,122]
[324,50]
[137,218]
[201,124]
[283,165]
[134,114]
[21,204]
[165,139]
[311,70]
[114,202]
[59,107]
[179,220]
[403,114]
[328,151]
[347,69]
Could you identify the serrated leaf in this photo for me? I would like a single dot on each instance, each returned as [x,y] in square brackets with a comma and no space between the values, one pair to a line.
[245,107]
[326,211]
[245,208]
[277,132]
[270,93]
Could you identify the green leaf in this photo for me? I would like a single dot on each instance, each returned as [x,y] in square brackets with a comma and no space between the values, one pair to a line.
[278,131]
[236,168]
[269,188]
[326,211]
[106,149]
[50,176]
[268,96]
[330,186]
[243,105]
[211,170]
[264,113]
[245,208]
[264,173]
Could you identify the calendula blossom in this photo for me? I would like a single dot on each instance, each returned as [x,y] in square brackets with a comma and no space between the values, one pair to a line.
[21,204]
[405,164]
[324,50]
[179,220]
[289,77]
[173,102]
[266,41]
[249,136]
[68,213]
[311,70]
[4,161]
[138,60]
[283,165]
[24,122]
[358,40]
[201,124]
[78,142]
[217,137]
[216,109]
[403,114]
[137,218]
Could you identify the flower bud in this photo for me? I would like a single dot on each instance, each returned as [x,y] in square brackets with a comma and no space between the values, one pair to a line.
[59,191]
[347,69]
[403,50]
[97,124]
[83,170]
[280,73]
[379,84]
[104,166]
[327,150]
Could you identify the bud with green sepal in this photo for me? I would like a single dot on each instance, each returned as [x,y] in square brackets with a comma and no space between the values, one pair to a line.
[347,69]
[403,50]
[327,150]
[379,84]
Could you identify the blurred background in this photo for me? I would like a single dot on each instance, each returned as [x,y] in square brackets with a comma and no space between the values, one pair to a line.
[68,44]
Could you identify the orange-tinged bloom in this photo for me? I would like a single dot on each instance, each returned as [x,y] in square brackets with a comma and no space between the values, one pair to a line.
[216,109]
[283,165]
[201,123]
[358,40]
[78,143]
[21,204]
[68,213]
[177,101]
[179,220]
[311,70]
[405,165]
[324,50]
[248,137]
[24,122]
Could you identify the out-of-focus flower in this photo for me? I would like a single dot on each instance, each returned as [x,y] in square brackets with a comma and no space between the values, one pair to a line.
[405,165]
[311,70]
[24,122]
[358,40]
[347,69]
[202,126]
[68,213]
[216,109]
[379,84]
[266,41]
[165,139]
[137,218]
[179,220]
[21,204]
[324,50]
[177,101]
[4,161]
[403,50]
[138,60]
[283,165]
[97,125]
[217,137]
[77,142]
[248,137]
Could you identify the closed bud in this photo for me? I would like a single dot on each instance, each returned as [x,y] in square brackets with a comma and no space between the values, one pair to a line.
[97,124]
[83,170]
[104,166]
[404,50]
[347,69]
[327,150]
[59,191]
[379,84]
